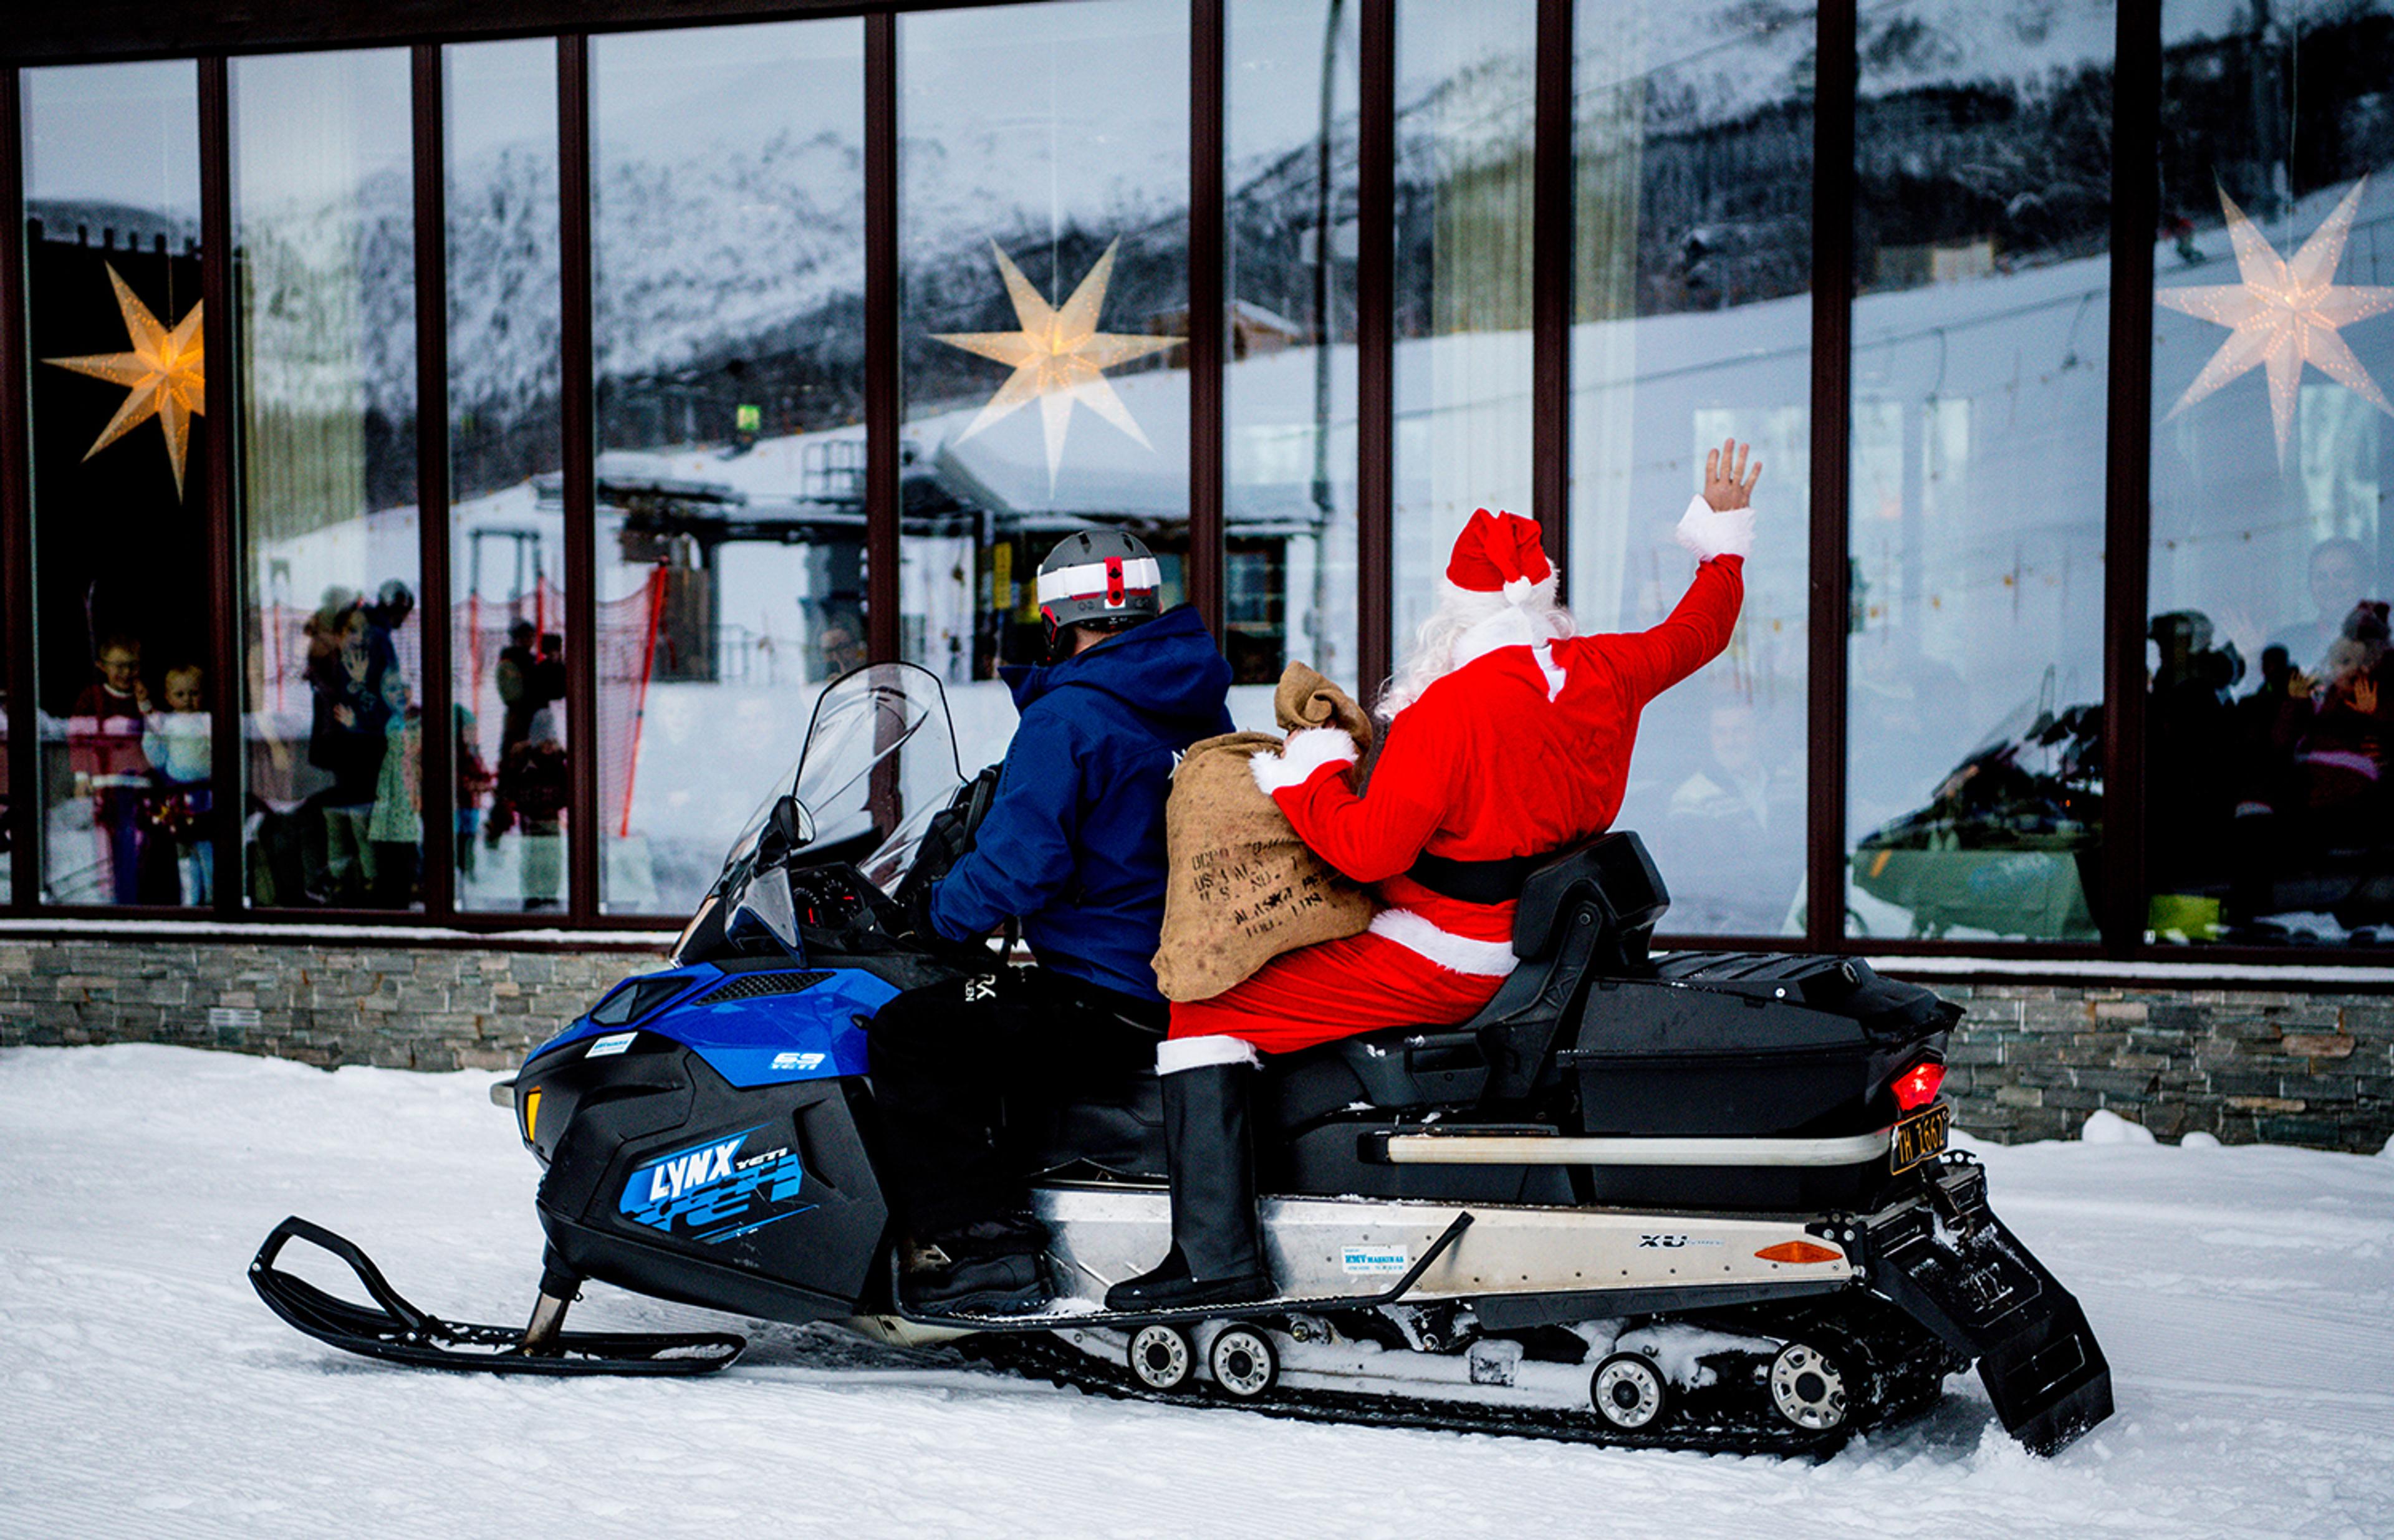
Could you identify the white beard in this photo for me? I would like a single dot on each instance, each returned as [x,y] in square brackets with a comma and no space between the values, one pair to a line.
[1468,626]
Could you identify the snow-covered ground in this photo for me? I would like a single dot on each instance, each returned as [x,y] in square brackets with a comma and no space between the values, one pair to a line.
[2246,1296]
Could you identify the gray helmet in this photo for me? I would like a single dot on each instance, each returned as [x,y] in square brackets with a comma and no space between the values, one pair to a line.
[1095,577]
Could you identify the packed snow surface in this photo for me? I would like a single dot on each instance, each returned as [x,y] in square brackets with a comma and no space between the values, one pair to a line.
[2244,1297]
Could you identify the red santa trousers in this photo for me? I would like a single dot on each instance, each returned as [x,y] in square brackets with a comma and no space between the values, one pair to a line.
[1336,990]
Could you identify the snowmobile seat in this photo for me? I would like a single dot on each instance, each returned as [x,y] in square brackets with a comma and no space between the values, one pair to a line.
[1591,910]
[1592,907]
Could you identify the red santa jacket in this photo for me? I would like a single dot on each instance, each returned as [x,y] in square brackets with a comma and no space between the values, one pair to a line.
[1485,766]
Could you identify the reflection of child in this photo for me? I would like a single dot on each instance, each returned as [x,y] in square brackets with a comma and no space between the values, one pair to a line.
[176,741]
[104,750]
[395,827]
[2342,754]
[473,779]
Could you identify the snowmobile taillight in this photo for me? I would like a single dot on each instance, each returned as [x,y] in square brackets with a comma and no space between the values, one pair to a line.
[1917,1087]
[1799,1251]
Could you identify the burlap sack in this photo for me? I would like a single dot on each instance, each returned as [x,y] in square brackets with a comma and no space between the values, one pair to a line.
[1242,888]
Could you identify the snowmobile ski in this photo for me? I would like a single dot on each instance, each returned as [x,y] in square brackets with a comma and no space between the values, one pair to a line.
[392,1328]
[1042,1321]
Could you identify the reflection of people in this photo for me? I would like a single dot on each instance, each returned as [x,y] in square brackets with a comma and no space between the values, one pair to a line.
[104,751]
[474,780]
[2186,722]
[1073,844]
[1509,737]
[347,739]
[513,678]
[178,742]
[547,686]
[2340,579]
[1732,816]
[533,792]
[395,828]
[840,643]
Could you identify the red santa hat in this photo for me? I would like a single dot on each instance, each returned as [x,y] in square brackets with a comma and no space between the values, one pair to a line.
[1500,592]
[1499,553]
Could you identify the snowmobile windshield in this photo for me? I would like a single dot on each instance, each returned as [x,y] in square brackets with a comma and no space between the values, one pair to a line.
[880,758]
[879,761]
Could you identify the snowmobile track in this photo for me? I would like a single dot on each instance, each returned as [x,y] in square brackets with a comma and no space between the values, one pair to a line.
[1040,1357]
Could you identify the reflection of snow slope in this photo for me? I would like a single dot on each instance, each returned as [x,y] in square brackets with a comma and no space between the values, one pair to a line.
[2240,1293]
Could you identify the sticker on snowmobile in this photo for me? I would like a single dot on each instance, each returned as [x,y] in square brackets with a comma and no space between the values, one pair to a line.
[615,1042]
[797,1060]
[1364,1261]
[710,1193]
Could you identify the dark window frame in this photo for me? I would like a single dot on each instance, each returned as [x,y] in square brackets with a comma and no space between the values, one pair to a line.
[209,34]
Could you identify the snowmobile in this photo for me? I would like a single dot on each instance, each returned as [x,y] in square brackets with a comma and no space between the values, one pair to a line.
[1704,1200]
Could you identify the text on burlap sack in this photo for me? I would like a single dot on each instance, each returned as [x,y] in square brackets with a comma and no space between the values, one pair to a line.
[1260,895]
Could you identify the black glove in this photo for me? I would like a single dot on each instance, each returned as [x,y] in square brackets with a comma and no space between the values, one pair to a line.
[945,842]
[919,928]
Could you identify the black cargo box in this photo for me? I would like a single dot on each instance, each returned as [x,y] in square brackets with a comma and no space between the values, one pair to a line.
[1747,1045]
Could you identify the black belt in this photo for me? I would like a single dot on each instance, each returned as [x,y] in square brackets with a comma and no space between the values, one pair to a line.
[1474,881]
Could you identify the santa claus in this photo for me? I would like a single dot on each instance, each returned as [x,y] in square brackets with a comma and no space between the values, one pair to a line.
[1508,740]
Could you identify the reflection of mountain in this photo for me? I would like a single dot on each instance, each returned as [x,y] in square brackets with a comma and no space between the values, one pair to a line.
[728,270]
[711,252]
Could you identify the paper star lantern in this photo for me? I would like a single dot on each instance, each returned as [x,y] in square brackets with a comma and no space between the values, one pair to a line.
[2283,315]
[1059,358]
[163,372]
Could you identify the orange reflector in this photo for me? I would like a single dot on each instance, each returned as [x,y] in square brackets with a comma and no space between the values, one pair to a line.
[1800,1251]
[532,1115]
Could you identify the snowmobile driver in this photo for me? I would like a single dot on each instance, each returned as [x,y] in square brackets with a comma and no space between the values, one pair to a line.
[1508,741]
[1073,844]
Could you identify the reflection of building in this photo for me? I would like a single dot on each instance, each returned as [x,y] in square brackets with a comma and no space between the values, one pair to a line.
[658,421]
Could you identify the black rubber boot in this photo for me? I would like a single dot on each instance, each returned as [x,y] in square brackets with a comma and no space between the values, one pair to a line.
[1217,1257]
[994,1266]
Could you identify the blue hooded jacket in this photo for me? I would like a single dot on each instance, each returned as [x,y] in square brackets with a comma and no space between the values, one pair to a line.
[1074,841]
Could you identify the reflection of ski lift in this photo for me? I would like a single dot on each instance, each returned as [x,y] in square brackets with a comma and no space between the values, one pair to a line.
[528,578]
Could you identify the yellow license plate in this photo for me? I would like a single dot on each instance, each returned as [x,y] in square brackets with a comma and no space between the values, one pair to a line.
[1920,1136]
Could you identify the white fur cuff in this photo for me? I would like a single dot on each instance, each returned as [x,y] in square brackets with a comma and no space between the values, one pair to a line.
[1449,951]
[1175,1054]
[1705,531]
[1300,757]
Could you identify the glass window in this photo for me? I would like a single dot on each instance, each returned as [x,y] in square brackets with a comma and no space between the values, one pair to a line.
[1691,324]
[1289,393]
[727,199]
[1982,227]
[1042,204]
[506,524]
[324,218]
[122,701]
[1466,101]
[2269,705]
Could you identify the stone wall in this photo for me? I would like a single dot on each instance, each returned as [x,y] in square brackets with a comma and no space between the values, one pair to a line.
[2030,1062]
[414,1008]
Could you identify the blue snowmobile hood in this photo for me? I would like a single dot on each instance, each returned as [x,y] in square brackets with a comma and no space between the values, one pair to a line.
[1168,667]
